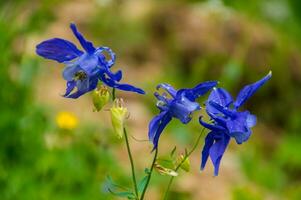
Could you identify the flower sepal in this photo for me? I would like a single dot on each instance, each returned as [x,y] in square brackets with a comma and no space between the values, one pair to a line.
[165,171]
[118,115]
[184,162]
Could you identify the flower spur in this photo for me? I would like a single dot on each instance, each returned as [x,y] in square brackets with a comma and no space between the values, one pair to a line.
[83,69]
[180,104]
[227,121]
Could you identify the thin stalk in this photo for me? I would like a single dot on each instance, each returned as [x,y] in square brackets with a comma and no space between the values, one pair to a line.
[196,144]
[150,174]
[168,187]
[113,94]
[132,163]
[183,160]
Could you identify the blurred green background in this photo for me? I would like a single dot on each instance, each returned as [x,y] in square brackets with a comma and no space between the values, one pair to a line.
[181,42]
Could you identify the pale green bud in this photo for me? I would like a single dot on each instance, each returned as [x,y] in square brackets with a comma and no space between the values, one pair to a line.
[100,97]
[165,171]
[118,115]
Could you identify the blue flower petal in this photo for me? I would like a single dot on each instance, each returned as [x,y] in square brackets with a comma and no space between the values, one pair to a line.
[241,137]
[58,49]
[224,110]
[86,63]
[168,88]
[84,87]
[202,88]
[162,98]
[219,96]
[249,90]
[125,87]
[165,120]
[217,151]
[93,83]
[117,76]
[69,72]
[218,119]
[128,87]
[205,152]
[108,63]
[251,121]
[212,127]
[199,90]
[182,108]
[75,95]
[87,45]
[89,64]
[156,127]
[70,86]
[238,127]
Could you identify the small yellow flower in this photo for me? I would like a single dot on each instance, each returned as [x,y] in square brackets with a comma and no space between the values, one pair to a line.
[118,115]
[66,120]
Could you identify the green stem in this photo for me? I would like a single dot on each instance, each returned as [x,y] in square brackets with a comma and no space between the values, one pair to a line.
[168,187]
[183,160]
[113,94]
[150,174]
[132,163]
[195,145]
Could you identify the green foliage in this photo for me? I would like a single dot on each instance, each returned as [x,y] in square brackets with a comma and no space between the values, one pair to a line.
[245,193]
[293,192]
[75,167]
[288,152]
[142,183]
[263,172]
[176,195]
[31,169]
[118,190]
[296,6]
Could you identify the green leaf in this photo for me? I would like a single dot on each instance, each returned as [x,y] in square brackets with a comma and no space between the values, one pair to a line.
[127,194]
[166,161]
[112,187]
[142,183]
[173,151]
[111,184]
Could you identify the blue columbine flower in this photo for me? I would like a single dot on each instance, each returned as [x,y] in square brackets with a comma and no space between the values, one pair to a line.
[83,69]
[227,121]
[180,104]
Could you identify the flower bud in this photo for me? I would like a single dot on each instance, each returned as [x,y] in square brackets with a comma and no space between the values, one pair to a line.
[165,171]
[100,97]
[118,115]
[185,163]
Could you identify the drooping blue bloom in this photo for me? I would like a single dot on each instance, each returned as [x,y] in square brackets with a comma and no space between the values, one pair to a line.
[83,68]
[228,122]
[178,104]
